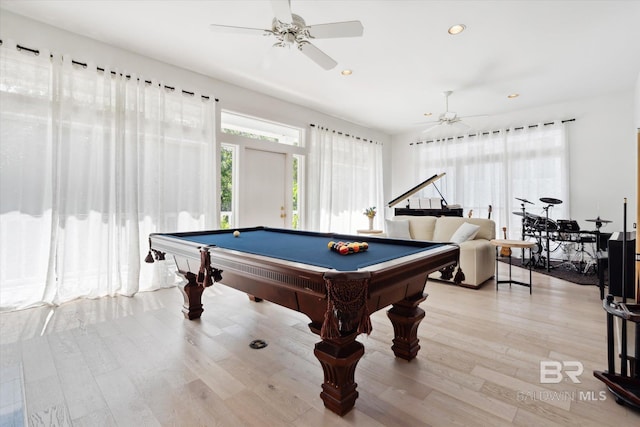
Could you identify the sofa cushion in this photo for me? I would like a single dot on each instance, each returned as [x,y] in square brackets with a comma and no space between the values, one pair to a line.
[447,225]
[398,228]
[465,232]
[420,227]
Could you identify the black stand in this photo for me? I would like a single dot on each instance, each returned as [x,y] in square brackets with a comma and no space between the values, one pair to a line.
[510,281]
[624,386]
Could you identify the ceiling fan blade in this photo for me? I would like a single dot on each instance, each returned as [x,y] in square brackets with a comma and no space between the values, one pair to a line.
[422,123]
[430,128]
[474,116]
[318,56]
[282,10]
[336,29]
[460,125]
[237,30]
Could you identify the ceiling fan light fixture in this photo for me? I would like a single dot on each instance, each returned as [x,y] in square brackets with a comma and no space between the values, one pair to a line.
[456,29]
[290,38]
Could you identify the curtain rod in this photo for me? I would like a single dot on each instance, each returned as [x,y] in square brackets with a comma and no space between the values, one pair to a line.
[36,52]
[488,132]
[346,134]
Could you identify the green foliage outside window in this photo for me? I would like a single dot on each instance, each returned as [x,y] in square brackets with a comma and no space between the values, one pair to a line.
[294,220]
[226,185]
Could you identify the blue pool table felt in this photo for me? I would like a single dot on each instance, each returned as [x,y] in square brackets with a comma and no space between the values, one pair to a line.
[306,249]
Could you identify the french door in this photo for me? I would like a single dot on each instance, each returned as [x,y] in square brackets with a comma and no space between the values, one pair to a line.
[264,189]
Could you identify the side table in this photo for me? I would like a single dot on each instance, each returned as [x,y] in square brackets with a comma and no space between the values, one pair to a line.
[505,243]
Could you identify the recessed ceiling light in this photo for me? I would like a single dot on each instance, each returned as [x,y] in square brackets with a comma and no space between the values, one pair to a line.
[456,29]
[346,72]
[428,114]
[513,95]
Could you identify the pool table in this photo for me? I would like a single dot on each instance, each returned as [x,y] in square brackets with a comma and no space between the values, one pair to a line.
[296,269]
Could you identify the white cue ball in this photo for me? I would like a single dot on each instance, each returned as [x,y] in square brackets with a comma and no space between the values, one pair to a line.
[236,233]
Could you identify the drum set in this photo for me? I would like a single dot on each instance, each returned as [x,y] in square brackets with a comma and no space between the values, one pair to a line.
[552,235]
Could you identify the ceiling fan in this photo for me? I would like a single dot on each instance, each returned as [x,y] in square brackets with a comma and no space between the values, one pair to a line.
[290,29]
[448,118]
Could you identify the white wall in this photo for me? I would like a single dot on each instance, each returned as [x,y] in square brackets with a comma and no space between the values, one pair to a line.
[602,155]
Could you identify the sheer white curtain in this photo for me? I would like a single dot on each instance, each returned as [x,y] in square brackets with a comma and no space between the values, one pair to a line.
[495,168]
[92,162]
[345,178]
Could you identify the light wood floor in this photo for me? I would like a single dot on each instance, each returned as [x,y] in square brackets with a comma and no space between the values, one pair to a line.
[137,361]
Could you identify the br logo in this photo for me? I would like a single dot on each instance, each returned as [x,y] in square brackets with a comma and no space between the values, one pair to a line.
[553,372]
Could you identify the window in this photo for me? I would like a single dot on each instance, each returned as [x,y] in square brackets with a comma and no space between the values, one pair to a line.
[227,155]
[236,124]
[345,178]
[494,168]
[92,163]
[295,203]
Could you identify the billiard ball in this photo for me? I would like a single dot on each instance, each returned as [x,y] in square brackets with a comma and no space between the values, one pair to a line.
[236,233]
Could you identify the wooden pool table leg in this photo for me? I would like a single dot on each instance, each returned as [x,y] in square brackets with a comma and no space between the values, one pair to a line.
[192,294]
[406,316]
[339,358]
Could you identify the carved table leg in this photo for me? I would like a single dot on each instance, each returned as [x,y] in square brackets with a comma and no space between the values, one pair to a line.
[192,294]
[406,316]
[339,358]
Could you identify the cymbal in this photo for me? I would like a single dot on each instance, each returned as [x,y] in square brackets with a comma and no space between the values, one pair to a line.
[530,215]
[604,221]
[550,200]
[524,200]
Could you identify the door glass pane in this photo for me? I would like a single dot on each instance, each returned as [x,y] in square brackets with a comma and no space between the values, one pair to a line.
[295,215]
[226,186]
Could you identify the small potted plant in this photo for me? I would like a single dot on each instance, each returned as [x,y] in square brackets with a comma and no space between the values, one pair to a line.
[370,213]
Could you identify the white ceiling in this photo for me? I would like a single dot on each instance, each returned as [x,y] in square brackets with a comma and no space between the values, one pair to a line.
[547,51]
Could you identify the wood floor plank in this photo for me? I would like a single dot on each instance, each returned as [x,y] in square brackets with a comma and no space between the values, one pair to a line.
[465,412]
[56,415]
[43,394]
[78,384]
[207,407]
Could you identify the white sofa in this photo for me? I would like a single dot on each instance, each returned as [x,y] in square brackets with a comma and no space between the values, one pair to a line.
[477,256]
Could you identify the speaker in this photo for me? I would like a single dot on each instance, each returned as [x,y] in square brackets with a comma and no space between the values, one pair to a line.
[604,241]
[616,264]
